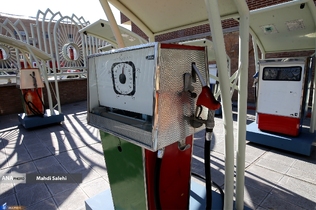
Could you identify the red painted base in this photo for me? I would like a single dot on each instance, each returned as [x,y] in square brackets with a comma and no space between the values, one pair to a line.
[175,175]
[32,101]
[279,124]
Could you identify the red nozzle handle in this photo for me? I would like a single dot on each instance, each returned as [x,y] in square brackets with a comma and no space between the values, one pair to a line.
[207,99]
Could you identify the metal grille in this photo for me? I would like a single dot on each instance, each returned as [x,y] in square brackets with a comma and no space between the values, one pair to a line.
[174,104]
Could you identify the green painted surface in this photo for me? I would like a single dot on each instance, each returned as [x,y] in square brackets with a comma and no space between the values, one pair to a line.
[124,162]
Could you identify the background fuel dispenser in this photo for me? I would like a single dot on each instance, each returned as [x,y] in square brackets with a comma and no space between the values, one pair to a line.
[280,104]
[31,85]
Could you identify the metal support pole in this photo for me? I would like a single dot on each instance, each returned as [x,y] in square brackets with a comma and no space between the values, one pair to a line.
[43,70]
[57,97]
[313,117]
[257,67]
[134,19]
[258,43]
[242,100]
[263,55]
[255,52]
[313,121]
[56,85]
[115,29]
[219,46]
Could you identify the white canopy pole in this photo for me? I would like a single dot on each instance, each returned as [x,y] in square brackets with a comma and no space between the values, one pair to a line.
[220,55]
[313,116]
[255,52]
[134,19]
[242,100]
[43,70]
[56,85]
[313,121]
[116,31]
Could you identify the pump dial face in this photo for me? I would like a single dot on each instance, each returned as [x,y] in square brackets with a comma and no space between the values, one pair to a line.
[123,77]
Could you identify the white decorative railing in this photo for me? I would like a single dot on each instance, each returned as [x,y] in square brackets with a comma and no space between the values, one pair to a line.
[54,34]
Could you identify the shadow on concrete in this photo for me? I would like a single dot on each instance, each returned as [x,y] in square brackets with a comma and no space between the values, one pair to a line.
[273,179]
[68,148]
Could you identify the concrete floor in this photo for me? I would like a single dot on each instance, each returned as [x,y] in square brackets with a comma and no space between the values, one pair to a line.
[274,179]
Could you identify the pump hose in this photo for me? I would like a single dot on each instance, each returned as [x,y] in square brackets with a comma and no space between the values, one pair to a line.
[157,183]
[207,168]
[40,98]
[208,178]
[31,106]
[214,184]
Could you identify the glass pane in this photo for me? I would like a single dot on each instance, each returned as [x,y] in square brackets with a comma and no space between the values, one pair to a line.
[282,73]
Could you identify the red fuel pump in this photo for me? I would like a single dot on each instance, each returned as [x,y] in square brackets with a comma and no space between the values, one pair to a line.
[31,86]
[71,53]
[1,54]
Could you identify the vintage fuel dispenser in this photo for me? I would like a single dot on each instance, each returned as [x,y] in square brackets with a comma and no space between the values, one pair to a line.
[31,85]
[147,101]
[280,95]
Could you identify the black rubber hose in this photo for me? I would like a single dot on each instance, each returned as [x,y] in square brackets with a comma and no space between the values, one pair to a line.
[208,178]
[157,184]
[31,106]
[40,98]
[214,184]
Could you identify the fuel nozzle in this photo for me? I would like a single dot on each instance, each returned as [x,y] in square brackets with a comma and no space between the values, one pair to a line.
[34,79]
[206,97]
[209,125]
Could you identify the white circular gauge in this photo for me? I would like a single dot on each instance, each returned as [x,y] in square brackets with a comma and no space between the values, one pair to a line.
[123,77]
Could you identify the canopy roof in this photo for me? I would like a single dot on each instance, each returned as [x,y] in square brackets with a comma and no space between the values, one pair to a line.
[164,16]
[285,27]
[102,30]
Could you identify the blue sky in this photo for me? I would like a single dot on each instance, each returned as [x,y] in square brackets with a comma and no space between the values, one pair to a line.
[91,10]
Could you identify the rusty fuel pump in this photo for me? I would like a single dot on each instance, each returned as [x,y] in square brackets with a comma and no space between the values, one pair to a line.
[31,85]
